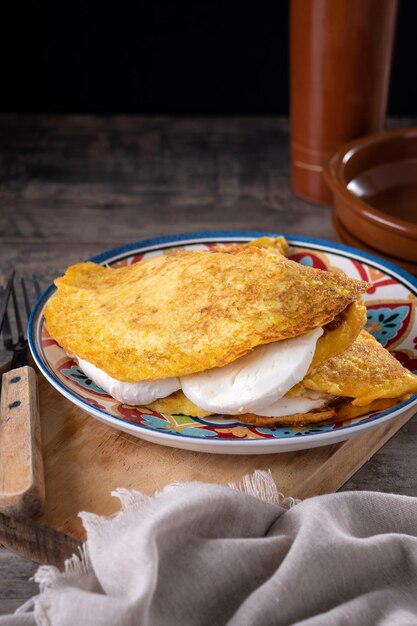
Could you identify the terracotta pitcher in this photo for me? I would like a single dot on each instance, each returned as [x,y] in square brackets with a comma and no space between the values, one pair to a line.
[340,62]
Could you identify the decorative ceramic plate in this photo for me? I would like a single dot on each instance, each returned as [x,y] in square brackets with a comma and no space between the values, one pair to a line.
[391,304]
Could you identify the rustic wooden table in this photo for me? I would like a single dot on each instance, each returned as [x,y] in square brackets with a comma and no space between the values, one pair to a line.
[73,186]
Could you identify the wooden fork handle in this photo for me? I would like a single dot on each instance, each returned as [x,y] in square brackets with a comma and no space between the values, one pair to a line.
[22,485]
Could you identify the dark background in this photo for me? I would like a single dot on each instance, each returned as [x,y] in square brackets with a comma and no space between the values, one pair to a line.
[201,60]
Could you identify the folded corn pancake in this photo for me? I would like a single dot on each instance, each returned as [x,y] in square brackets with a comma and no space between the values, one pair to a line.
[340,333]
[190,312]
[365,372]
[196,310]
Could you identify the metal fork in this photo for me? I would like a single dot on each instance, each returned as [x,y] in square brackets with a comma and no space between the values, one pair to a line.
[20,347]
[22,488]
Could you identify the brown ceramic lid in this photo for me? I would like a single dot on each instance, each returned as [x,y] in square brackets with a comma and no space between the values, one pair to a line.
[374,185]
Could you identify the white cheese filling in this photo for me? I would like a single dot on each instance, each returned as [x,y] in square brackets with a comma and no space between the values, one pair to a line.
[255,383]
[143,392]
[256,380]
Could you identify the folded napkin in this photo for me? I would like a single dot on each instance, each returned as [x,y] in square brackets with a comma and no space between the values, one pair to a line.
[201,554]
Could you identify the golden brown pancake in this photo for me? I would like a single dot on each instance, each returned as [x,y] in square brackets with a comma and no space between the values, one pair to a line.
[278,245]
[178,404]
[190,311]
[364,372]
[340,333]
[269,299]
[340,412]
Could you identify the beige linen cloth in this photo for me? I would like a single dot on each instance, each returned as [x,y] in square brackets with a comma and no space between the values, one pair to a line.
[200,554]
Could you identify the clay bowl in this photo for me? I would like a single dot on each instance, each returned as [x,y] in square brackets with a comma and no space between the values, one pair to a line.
[374,185]
[344,236]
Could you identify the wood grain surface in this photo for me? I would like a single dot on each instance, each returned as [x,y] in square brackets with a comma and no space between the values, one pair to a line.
[73,186]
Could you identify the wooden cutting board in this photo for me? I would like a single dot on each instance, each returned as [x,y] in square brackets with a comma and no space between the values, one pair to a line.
[85,460]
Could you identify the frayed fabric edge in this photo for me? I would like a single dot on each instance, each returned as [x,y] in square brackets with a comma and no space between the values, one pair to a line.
[50,577]
[78,565]
[130,500]
[260,484]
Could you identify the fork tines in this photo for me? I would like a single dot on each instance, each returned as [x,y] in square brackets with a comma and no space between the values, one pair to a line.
[5,293]
[17,317]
